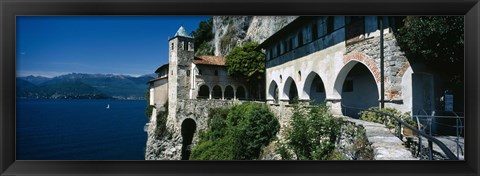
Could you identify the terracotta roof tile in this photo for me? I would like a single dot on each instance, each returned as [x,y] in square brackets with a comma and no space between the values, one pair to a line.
[209,60]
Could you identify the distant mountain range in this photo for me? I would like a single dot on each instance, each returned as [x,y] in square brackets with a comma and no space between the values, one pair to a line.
[83,86]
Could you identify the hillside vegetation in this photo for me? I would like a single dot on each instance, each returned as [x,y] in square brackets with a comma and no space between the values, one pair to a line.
[236,133]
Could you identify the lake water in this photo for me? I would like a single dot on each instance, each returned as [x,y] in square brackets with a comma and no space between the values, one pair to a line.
[80,130]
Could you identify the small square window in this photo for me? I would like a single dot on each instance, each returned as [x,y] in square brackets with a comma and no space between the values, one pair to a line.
[348,86]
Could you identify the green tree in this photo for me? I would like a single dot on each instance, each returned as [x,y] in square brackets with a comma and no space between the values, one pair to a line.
[437,41]
[247,62]
[236,133]
[312,134]
[203,36]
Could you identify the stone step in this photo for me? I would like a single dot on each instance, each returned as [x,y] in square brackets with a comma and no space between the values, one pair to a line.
[385,145]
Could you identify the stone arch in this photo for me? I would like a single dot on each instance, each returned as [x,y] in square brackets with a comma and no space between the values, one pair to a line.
[273,91]
[357,87]
[217,92]
[290,90]
[241,93]
[365,60]
[350,60]
[314,88]
[229,93]
[188,130]
[203,92]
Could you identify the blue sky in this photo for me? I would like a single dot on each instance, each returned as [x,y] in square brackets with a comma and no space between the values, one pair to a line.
[131,45]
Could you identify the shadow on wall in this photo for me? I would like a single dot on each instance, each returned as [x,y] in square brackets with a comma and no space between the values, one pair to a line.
[359,90]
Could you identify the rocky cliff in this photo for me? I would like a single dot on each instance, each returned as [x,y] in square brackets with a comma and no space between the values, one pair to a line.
[231,31]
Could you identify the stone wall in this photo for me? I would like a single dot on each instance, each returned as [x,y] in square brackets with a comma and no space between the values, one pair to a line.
[169,146]
[380,143]
[395,62]
[160,92]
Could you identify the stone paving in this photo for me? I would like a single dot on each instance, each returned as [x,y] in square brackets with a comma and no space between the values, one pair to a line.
[385,145]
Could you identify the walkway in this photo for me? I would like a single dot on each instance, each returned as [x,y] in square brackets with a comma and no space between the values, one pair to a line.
[385,145]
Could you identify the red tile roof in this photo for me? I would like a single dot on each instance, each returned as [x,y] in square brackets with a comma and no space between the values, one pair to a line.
[209,60]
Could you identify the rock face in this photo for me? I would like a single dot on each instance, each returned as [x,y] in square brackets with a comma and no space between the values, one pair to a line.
[231,31]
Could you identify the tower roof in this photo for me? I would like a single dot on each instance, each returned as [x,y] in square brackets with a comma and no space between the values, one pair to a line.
[182,32]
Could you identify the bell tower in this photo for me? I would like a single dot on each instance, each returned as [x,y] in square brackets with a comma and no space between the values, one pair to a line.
[181,53]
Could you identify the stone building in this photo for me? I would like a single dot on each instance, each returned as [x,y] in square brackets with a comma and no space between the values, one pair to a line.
[187,76]
[191,85]
[336,59]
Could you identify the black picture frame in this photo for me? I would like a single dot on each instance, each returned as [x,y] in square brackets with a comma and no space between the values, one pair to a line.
[11,8]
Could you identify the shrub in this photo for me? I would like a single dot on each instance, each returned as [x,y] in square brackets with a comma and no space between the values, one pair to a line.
[236,133]
[371,116]
[161,128]
[148,111]
[149,108]
[363,150]
[411,122]
[312,134]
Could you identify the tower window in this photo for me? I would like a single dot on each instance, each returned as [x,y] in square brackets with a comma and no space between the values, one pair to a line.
[172,46]
[185,47]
